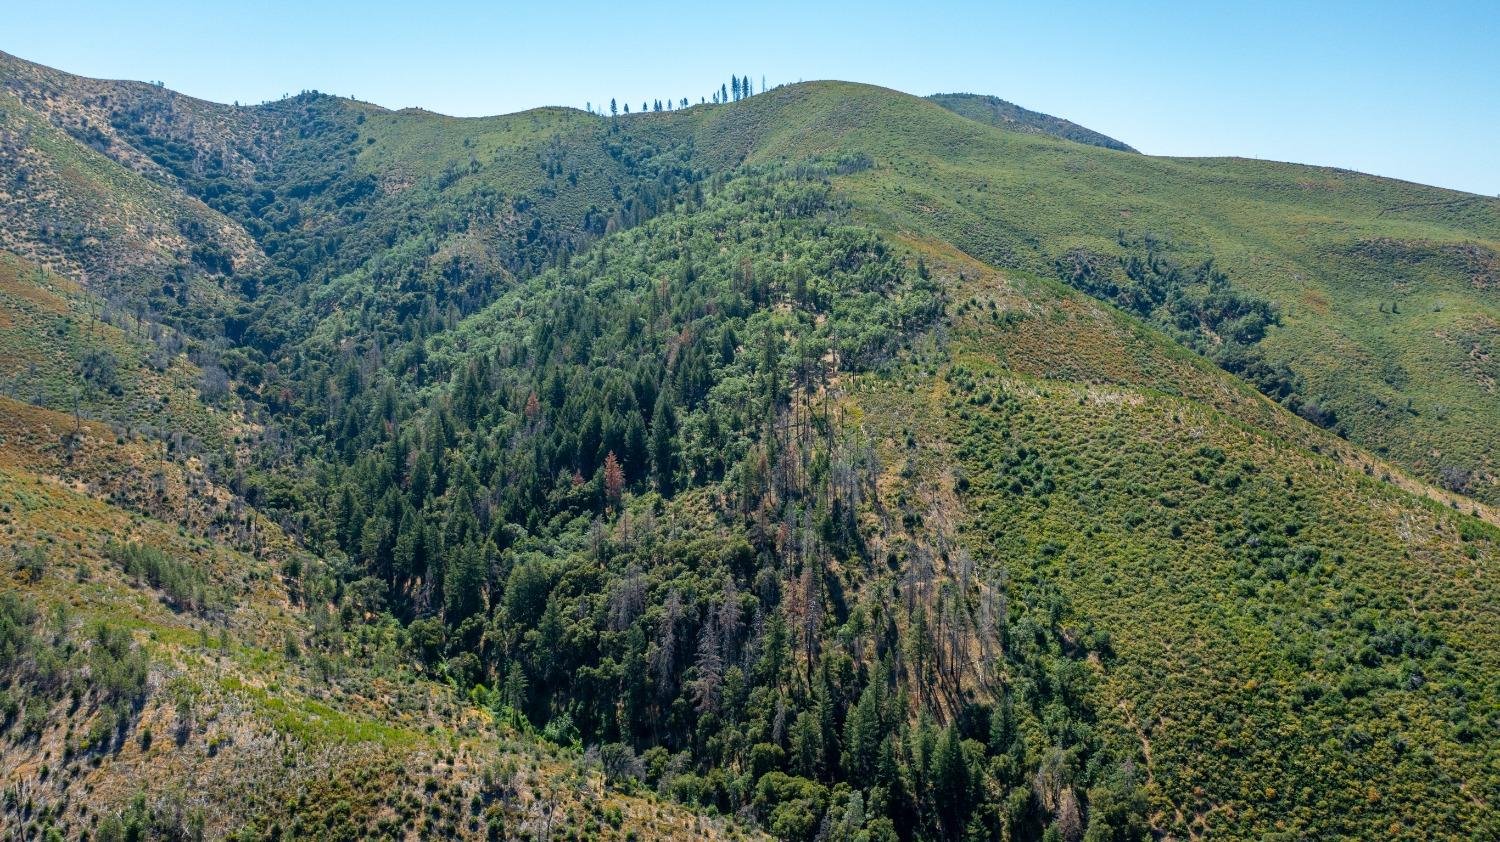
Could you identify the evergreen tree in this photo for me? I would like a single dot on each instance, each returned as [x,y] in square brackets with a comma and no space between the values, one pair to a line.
[637,453]
[464,584]
[806,740]
[664,446]
[950,782]
[863,734]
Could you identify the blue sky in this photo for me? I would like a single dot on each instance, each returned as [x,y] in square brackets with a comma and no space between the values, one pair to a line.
[1409,90]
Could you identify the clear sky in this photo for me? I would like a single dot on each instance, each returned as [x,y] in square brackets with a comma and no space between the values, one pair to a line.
[1404,89]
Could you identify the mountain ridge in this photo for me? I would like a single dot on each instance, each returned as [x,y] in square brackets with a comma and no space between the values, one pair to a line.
[1001,114]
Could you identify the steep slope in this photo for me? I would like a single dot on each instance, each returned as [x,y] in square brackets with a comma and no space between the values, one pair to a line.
[1271,637]
[1382,291]
[78,201]
[64,348]
[155,682]
[321,185]
[1007,115]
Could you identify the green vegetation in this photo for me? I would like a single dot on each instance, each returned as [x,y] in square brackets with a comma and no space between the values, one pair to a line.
[1333,645]
[41,664]
[1383,288]
[70,351]
[182,583]
[819,457]
[1200,308]
[106,690]
[73,206]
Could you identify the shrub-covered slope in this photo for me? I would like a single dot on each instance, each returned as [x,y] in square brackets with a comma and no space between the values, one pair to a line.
[69,206]
[1282,646]
[66,349]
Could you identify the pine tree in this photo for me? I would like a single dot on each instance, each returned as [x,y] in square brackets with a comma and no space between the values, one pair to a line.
[636,452]
[464,584]
[664,446]
[950,783]
[590,441]
[1002,725]
[807,745]
[919,649]
[515,694]
[863,733]
[408,562]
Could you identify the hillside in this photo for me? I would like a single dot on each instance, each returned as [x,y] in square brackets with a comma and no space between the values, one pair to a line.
[175,679]
[1238,599]
[826,459]
[66,349]
[1380,319]
[1380,292]
[78,202]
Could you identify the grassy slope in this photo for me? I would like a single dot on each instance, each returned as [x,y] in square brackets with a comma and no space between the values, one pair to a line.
[267,729]
[80,211]
[49,326]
